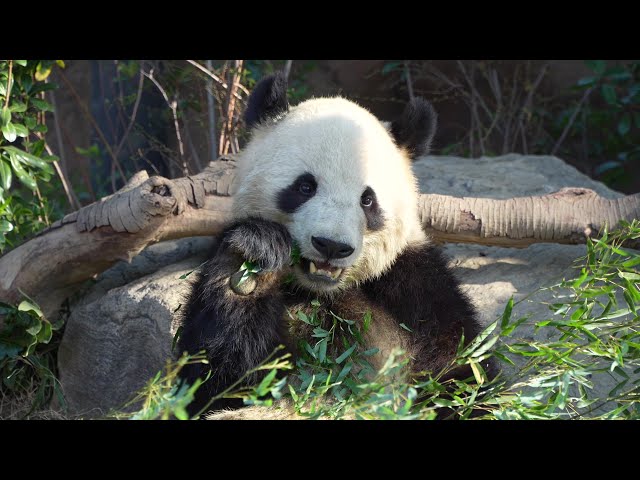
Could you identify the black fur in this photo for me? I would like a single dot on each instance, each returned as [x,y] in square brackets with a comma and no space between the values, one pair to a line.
[290,198]
[237,332]
[415,128]
[422,292]
[374,214]
[262,241]
[268,100]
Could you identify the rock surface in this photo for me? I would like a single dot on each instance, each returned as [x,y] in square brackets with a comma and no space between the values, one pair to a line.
[506,176]
[119,334]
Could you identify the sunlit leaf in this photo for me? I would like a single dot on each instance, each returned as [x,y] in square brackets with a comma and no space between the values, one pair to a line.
[5,226]
[5,174]
[27,306]
[42,71]
[9,132]
[5,116]
[25,178]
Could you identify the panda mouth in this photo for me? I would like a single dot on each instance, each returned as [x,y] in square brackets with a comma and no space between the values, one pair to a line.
[323,271]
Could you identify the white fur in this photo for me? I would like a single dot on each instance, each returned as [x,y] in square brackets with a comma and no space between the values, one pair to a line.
[347,149]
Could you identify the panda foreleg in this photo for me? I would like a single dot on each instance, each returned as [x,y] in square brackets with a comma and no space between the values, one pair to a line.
[237,331]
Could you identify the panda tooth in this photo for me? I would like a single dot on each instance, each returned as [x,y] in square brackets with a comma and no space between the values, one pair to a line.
[337,273]
[312,267]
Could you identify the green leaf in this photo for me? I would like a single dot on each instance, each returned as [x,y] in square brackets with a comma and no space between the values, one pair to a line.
[29,159]
[443,402]
[310,350]
[60,63]
[18,107]
[41,105]
[176,337]
[263,388]
[634,277]
[486,346]
[478,372]
[24,177]
[42,87]
[43,71]
[598,66]
[632,262]
[22,63]
[371,351]
[402,325]
[366,322]
[5,174]
[26,306]
[5,116]
[586,81]
[30,122]
[344,372]
[5,226]
[609,94]
[320,333]
[580,280]
[389,67]
[180,413]
[9,132]
[302,316]
[35,329]
[507,331]
[322,350]
[506,315]
[21,130]
[618,74]
[342,357]
[625,124]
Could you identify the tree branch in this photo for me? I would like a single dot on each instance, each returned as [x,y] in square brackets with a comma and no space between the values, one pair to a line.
[173,106]
[55,263]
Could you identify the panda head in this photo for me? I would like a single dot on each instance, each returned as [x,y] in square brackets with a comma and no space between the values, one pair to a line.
[337,177]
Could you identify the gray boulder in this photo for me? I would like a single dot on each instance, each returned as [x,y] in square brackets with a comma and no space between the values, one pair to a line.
[120,333]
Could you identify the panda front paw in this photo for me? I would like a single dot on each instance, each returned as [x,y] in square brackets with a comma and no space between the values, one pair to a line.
[262,241]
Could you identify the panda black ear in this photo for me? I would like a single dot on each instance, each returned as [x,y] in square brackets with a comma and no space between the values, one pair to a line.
[267,100]
[416,127]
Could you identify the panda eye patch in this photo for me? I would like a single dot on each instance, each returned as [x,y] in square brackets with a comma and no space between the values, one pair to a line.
[372,210]
[302,189]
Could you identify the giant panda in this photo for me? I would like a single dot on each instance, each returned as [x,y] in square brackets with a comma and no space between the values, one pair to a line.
[329,177]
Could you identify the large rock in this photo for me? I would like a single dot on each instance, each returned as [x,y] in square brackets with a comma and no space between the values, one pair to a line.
[506,176]
[119,335]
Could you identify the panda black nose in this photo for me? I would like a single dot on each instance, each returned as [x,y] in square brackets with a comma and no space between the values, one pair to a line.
[330,249]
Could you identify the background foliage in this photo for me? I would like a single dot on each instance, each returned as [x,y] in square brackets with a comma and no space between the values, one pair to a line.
[172,117]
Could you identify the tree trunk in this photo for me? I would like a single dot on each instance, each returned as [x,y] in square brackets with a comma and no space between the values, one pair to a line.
[55,263]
